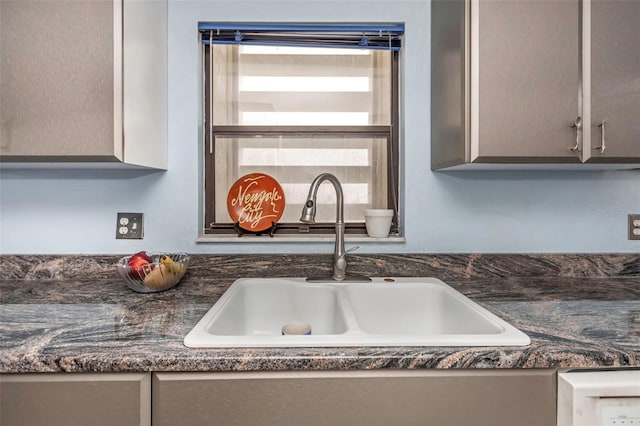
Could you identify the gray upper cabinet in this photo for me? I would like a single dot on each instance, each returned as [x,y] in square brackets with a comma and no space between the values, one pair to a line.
[83,81]
[524,83]
[524,80]
[614,53]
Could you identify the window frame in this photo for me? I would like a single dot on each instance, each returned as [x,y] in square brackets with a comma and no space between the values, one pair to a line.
[390,132]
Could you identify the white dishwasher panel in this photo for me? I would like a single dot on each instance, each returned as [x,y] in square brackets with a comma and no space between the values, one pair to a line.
[619,411]
[599,398]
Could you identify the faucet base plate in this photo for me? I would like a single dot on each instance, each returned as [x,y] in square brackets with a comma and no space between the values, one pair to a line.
[347,279]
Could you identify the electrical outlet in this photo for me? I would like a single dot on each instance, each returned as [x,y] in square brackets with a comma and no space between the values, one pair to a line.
[634,226]
[129,226]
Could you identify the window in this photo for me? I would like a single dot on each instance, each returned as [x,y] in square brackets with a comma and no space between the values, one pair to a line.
[294,101]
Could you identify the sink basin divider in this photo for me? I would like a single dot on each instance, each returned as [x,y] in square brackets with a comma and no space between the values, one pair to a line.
[348,312]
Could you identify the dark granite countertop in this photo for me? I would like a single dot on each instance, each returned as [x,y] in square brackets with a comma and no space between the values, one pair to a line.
[73,314]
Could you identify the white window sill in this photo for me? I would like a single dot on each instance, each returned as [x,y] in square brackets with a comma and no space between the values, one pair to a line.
[294,239]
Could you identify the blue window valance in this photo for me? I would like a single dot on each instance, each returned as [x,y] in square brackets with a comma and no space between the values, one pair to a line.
[356,36]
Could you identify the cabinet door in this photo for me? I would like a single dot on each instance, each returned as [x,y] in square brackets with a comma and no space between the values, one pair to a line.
[426,397]
[75,399]
[524,80]
[57,80]
[615,80]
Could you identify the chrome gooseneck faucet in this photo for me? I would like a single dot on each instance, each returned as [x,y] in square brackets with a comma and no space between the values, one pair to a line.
[339,253]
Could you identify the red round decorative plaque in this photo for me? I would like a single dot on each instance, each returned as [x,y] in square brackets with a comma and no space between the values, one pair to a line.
[255,202]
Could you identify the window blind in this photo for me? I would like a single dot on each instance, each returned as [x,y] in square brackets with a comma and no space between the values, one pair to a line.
[376,37]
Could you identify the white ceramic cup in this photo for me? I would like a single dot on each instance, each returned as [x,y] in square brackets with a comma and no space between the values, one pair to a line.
[378,222]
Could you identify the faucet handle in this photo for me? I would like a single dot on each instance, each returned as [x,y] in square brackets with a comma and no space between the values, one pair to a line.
[354,248]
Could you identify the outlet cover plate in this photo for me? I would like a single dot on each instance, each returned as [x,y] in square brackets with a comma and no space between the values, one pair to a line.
[129,226]
[634,226]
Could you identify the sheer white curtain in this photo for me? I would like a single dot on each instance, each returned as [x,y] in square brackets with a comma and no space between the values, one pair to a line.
[307,86]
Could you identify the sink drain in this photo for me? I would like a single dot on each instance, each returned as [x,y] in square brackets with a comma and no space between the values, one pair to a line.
[296,328]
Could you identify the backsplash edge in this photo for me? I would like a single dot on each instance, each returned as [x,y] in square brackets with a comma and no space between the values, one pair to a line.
[68,267]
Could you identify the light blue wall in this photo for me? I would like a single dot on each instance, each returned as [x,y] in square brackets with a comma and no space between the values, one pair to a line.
[65,212]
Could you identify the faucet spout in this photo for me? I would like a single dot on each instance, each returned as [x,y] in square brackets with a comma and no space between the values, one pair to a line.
[308,216]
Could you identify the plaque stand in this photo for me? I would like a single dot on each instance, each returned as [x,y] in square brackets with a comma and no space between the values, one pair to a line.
[241,231]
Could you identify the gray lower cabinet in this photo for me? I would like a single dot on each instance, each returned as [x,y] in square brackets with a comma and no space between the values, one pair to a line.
[381,397]
[75,399]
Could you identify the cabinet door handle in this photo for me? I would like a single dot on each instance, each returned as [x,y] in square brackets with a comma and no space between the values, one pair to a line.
[602,146]
[578,127]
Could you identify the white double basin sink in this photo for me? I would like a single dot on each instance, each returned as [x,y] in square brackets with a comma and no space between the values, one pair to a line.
[384,312]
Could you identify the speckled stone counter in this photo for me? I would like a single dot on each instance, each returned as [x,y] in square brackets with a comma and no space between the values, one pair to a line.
[73,314]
